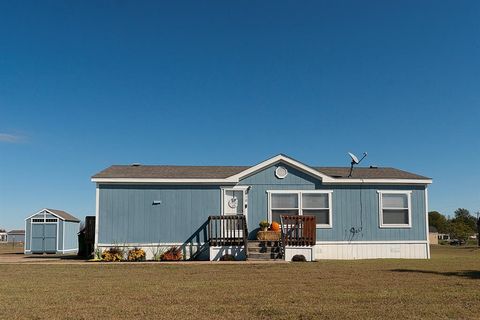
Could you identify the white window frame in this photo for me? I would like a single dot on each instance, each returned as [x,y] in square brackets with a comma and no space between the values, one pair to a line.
[300,209]
[408,193]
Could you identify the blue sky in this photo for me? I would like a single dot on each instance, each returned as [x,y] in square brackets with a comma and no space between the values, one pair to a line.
[88,84]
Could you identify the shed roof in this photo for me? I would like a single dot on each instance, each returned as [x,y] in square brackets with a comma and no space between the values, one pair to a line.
[16,232]
[222,172]
[64,215]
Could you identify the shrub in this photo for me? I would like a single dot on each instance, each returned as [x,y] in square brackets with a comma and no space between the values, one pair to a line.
[227,257]
[136,254]
[157,253]
[113,254]
[172,254]
[299,258]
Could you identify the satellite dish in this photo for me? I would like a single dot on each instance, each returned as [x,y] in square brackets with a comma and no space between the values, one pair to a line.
[354,158]
[354,161]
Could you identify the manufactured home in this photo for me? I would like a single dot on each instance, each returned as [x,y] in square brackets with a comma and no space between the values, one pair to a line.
[51,231]
[324,212]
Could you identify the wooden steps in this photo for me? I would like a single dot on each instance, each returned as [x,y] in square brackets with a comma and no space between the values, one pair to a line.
[264,250]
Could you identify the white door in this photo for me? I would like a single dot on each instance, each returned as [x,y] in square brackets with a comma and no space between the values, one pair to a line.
[234,203]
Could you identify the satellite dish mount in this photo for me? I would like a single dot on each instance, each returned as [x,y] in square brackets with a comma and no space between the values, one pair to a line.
[355,161]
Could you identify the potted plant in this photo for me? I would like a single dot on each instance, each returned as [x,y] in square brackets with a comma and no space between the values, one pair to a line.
[264,224]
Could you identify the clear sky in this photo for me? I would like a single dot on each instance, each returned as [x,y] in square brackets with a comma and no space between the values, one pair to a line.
[84,85]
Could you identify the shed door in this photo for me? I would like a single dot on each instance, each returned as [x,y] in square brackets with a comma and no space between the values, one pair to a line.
[50,240]
[37,238]
[44,238]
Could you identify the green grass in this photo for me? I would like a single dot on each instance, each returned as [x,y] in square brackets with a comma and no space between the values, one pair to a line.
[445,287]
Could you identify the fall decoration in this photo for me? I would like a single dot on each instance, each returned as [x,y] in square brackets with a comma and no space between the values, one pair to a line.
[136,254]
[172,254]
[113,254]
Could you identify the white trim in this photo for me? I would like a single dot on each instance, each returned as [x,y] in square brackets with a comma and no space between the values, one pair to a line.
[281,176]
[97,211]
[380,208]
[151,244]
[300,204]
[63,240]
[68,250]
[25,244]
[426,222]
[372,242]
[281,158]
[56,240]
[379,181]
[43,211]
[165,181]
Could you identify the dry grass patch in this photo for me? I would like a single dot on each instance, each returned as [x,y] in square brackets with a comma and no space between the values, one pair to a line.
[447,286]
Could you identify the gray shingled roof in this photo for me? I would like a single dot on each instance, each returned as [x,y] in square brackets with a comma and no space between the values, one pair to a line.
[222,172]
[16,232]
[64,215]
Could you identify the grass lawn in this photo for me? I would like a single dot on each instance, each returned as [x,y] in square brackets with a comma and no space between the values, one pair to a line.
[445,287]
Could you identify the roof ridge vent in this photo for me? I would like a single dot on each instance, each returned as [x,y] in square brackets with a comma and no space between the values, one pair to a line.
[136,164]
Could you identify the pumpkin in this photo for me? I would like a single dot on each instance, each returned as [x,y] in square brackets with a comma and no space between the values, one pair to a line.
[275,226]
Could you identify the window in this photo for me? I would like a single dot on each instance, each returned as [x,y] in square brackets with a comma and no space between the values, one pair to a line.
[316,203]
[37,220]
[51,220]
[395,209]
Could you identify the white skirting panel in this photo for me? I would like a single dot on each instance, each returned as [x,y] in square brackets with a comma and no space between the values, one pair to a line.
[237,251]
[376,250]
[307,252]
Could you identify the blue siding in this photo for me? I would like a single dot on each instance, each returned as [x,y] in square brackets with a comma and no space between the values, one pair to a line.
[27,234]
[60,234]
[71,235]
[353,206]
[128,216]
[265,180]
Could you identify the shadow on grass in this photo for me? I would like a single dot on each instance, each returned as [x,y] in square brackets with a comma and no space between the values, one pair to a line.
[470,274]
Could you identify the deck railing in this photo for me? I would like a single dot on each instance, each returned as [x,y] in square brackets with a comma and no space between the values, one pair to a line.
[298,230]
[227,230]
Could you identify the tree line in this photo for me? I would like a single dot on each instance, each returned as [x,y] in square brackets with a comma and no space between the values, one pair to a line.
[461,226]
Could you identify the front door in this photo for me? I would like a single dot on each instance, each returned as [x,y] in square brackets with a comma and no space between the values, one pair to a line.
[234,203]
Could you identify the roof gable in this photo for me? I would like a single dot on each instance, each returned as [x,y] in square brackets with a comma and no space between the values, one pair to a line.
[65,216]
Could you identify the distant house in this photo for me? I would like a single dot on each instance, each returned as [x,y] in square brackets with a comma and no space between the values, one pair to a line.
[443,236]
[433,235]
[212,210]
[3,236]
[16,236]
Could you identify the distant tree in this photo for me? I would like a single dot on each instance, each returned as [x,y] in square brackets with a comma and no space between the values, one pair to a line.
[438,220]
[2,230]
[459,230]
[464,216]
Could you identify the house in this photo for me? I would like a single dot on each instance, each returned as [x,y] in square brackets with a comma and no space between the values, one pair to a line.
[51,231]
[3,236]
[211,210]
[16,236]
[432,235]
